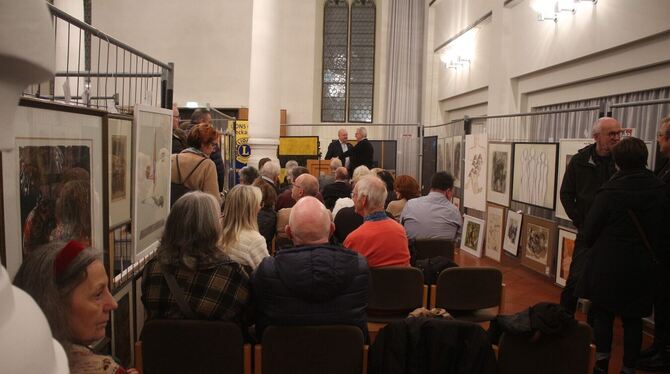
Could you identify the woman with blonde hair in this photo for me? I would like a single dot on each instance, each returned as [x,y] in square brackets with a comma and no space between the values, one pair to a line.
[241,239]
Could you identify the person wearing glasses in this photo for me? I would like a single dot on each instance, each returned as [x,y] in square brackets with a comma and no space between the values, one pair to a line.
[192,167]
[586,172]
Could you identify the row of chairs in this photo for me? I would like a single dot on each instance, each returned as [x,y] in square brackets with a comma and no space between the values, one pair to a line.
[179,346]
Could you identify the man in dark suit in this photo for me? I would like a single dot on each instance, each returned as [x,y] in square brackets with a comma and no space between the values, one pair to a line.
[362,153]
[339,146]
[338,189]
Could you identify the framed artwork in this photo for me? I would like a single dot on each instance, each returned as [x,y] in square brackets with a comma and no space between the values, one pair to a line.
[440,154]
[448,156]
[566,247]
[566,149]
[474,176]
[151,203]
[123,339]
[118,156]
[538,241]
[457,202]
[51,185]
[534,177]
[472,237]
[457,144]
[512,232]
[495,224]
[499,173]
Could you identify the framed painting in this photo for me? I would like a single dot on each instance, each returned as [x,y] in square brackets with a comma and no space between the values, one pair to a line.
[534,176]
[566,247]
[151,203]
[474,172]
[51,185]
[499,173]
[440,154]
[118,168]
[448,156]
[538,241]
[123,340]
[457,144]
[566,149]
[457,202]
[472,237]
[495,224]
[512,233]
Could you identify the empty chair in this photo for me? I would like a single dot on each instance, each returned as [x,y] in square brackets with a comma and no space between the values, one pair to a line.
[394,292]
[311,349]
[427,248]
[550,354]
[187,346]
[469,293]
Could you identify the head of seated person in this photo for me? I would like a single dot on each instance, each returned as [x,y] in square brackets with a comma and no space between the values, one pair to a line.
[189,249]
[305,185]
[630,154]
[297,280]
[69,283]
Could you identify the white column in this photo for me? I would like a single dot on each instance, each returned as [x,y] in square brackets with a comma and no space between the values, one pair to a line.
[264,81]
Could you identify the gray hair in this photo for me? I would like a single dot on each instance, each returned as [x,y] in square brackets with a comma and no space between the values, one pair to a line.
[335,163]
[665,122]
[374,190]
[363,131]
[360,172]
[595,130]
[341,173]
[248,174]
[270,170]
[192,232]
[289,166]
[36,277]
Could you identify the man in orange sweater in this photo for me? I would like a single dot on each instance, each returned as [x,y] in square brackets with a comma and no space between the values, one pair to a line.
[380,239]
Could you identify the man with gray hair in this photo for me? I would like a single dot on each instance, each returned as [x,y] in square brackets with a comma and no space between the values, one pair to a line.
[586,172]
[248,175]
[326,179]
[381,239]
[362,153]
[305,185]
[315,283]
[339,146]
[270,174]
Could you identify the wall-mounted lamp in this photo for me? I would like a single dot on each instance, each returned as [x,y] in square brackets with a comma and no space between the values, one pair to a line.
[460,51]
[549,10]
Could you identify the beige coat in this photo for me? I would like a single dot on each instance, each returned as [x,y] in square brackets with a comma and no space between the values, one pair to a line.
[204,177]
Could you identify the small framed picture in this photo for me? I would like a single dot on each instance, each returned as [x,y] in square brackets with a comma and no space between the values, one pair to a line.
[538,244]
[512,232]
[457,202]
[566,247]
[472,237]
[495,223]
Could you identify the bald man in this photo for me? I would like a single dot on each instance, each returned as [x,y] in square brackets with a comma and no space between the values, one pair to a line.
[339,146]
[304,185]
[314,283]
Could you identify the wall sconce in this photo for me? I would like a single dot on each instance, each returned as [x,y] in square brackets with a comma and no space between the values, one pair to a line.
[460,51]
[548,10]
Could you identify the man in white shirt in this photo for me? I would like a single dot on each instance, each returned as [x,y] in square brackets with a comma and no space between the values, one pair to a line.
[339,146]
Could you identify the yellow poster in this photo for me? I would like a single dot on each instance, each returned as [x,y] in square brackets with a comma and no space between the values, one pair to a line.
[243,149]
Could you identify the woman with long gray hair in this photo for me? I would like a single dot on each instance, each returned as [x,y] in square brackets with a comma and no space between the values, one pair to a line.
[214,286]
[69,283]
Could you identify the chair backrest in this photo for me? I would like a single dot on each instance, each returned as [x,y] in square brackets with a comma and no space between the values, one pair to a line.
[468,288]
[428,248]
[395,290]
[185,346]
[312,349]
[548,355]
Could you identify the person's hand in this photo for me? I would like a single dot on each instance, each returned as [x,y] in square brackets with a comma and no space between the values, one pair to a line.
[132,371]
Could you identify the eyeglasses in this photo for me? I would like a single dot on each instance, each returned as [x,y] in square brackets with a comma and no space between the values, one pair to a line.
[614,134]
[214,144]
[297,185]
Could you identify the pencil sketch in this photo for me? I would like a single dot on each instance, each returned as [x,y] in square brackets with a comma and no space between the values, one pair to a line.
[457,161]
[494,231]
[475,172]
[512,232]
[499,172]
[537,243]
[535,174]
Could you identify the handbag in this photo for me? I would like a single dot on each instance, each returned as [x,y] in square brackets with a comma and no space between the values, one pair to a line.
[178,294]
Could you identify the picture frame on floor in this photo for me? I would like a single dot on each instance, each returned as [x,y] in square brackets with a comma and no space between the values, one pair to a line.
[512,233]
[495,225]
[538,241]
[499,173]
[534,174]
[474,172]
[566,149]
[472,235]
[566,247]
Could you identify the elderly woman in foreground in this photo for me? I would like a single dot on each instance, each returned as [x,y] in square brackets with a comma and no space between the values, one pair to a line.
[69,283]
[214,287]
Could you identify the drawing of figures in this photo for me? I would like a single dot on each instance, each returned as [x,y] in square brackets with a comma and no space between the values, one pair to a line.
[119,165]
[498,181]
[534,176]
[473,175]
[447,161]
[472,235]
[457,163]
[475,171]
[537,243]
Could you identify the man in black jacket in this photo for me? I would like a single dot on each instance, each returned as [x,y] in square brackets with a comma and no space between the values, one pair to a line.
[362,153]
[587,171]
[339,146]
[338,189]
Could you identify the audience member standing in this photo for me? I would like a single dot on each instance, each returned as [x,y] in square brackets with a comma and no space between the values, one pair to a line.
[380,239]
[267,216]
[362,153]
[337,147]
[248,175]
[338,189]
[405,188]
[586,172]
[178,135]
[624,231]
[270,174]
[241,239]
[204,116]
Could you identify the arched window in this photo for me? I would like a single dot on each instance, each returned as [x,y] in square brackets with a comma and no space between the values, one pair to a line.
[348,61]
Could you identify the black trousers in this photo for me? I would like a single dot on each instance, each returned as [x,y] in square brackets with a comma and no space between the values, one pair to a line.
[603,325]
[577,266]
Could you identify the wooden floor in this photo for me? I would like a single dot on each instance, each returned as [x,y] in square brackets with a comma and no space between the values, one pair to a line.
[525,288]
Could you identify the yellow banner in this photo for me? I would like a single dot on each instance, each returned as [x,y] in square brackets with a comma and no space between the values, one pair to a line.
[298,145]
[243,149]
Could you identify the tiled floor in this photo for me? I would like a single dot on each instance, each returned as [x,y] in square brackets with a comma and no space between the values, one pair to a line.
[524,288]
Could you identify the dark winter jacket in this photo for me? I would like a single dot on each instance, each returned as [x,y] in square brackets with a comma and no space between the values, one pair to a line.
[619,269]
[545,318]
[361,154]
[584,175]
[311,285]
[267,224]
[220,168]
[432,346]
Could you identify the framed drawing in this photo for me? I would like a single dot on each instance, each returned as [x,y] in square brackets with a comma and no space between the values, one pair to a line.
[534,176]
[440,154]
[566,149]
[538,241]
[566,247]
[117,152]
[495,223]
[512,232]
[499,173]
[52,187]
[448,156]
[457,144]
[457,202]
[123,339]
[474,172]
[472,237]
[151,203]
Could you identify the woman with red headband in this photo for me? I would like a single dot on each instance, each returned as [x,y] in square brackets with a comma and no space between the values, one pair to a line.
[70,284]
